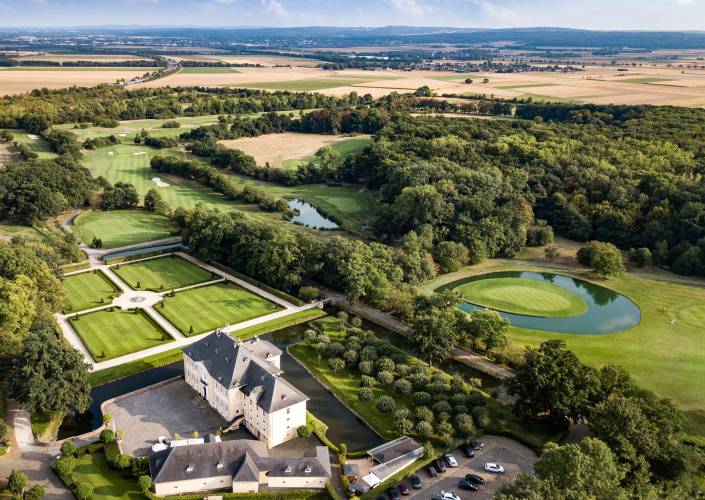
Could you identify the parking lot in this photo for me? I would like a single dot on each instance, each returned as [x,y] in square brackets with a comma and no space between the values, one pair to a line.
[513,456]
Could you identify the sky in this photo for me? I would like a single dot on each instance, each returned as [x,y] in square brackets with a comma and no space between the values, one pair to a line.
[589,14]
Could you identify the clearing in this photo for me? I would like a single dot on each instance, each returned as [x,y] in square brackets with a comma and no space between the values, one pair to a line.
[87,290]
[163,273]
[209,307]
[288,149]
[119,228]
[109,335]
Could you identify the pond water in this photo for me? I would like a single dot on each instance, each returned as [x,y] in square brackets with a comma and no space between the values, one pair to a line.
[306,214]
[344,426]
[607,312]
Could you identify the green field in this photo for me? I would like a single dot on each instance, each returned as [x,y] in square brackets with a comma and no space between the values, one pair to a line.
[9,230]
[109,335]
[308,84]
[523,296]
[119,228]
[663,355]
[163,273]
[206,69]
[127,129]
[209,307]
[107,483]
[343,149]
[85,290]
[34,143]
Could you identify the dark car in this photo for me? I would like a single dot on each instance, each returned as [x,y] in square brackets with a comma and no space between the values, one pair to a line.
[477,445]
[415,482]
[403,489]
[381,497]
[393,494]
[467,485]
[468,451]
[439,465]
[474,478]
[431,471]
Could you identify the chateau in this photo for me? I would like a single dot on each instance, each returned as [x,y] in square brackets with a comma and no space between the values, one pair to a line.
[243,380]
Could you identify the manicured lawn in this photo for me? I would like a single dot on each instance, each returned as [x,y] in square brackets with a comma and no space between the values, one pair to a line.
[127,129]
[85,290]
[663,355]
[342,148]
[108,334]
[164,273]
[34,142]
[523,296]
[107,483]
[118,228]
[209,307]
[304,85]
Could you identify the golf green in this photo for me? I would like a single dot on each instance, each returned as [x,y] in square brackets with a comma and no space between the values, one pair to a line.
[118,228]
[523,296]
[163,273]
[109,335]
[206,308]
[87,290]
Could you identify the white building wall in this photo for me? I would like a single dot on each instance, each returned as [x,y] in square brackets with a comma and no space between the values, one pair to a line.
[282,424]
[297,482]
[193,485]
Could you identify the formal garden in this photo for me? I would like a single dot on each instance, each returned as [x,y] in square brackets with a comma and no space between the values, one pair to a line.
[163,273]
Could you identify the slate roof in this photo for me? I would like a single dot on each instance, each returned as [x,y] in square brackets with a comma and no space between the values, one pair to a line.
[242,459]
[392,450]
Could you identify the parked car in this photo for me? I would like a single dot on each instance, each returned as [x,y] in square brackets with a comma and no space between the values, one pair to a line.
[416,482]
[477,445]
[431,471]
[393,494]
[439,465]
[452,462]
[403,489]
[449,495]
[468,451]
[474,478]
[467,485]
[494,468]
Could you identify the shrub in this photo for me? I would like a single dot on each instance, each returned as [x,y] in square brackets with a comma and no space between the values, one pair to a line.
[65,466]
[385,404]
[84,491]
[481,416]
[402,413]
[123,461]
[336,364]
[419,380]
[442,407]
[423,413]
[476,399]
[107,436]
[16,482]
[303,431]
[3,431]
[446,438]
[424,428]
[641,257]
[384,348]
[368,353]
[464,424]
[367,381]
[459,398]
[350,357]
[385,378]
[309,293]
[402,386]
[365,367]
[403,370]
[68,448]
[404,426]
[35,492]
[145,483]
[365,394]
[438,388]
[422,398]
[385,364]
[336,348]
[310,335]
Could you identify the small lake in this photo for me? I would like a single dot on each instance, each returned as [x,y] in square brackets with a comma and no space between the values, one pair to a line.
[607,312]
[306,214]
[344,426]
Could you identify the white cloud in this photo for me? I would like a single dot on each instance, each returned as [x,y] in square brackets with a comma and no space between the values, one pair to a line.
[274,7]
[409,7]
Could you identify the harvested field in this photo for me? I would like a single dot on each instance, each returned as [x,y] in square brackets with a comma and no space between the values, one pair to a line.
[276,149]
[18,82]
[79,57]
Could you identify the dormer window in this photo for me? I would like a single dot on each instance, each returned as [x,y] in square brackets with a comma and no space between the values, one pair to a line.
[227,359]
[189,468]
[269,355]
[219,465]
[307,469]
[283,397]
[287,469]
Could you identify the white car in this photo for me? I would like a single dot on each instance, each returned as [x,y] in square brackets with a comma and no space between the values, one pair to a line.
[449,495]
[494,468]
[452,462]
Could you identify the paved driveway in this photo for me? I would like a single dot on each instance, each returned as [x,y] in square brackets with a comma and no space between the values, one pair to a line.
[512,455]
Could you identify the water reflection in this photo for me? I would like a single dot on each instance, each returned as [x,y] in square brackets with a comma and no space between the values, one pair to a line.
[306,214]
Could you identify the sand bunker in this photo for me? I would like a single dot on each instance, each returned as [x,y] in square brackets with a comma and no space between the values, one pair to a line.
[111,153]
[139,154]
[32,137]
[160,183]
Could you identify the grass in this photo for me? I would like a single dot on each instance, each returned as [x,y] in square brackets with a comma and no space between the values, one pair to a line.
[37,145]
[206,69]
[128,128]
[9,230]
[209,307]
[308,84]
[279,323]
[132,367]
[107,483]
[108,335]
[523,296]
[87,290]
[664,357]
[45,425]
[164,273]
[547,98]
[342,148]
[118,228]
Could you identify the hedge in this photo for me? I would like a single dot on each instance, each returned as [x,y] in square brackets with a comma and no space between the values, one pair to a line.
[282,295]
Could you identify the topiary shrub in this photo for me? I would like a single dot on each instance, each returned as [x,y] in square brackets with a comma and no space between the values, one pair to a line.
[303,431]
[336,364]
[464,424]
[84,491]
[107,436]
[419,380]
[403,370]
[366,367]
[336,348]
[424,429]
[481,416]
[402,386]
[367,381]
[350,356]
[423,413]
[385,377]
[368,353]
[385,404]
[65,466]
[404,426]
[422,398]
[442,407]
[385,364]
[144,483]
[68,448]
[365,394]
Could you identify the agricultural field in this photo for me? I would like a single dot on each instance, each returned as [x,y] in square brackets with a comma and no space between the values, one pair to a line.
[117,228]
[108,335]
[665,352]
[18,82]
[206,308]
[206,69]
[304,85]
[163,273]
[289,149]
[87,290]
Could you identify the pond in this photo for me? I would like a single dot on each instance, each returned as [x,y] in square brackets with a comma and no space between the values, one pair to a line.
[306,214]
[607,311]
[345,427]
